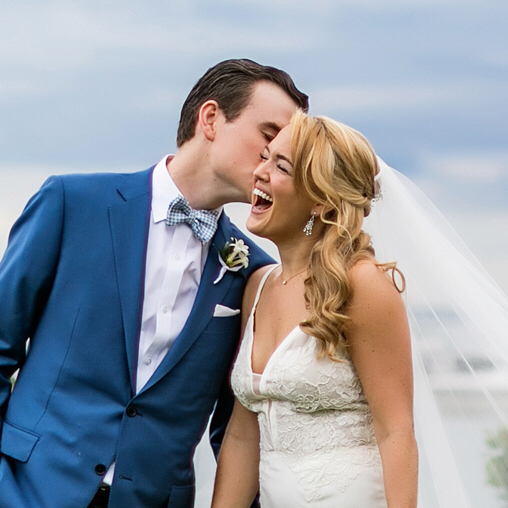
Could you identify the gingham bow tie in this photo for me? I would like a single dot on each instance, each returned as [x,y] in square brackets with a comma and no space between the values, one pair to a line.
[202,222]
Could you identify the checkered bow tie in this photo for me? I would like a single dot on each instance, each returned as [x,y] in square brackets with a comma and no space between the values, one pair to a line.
[202,222]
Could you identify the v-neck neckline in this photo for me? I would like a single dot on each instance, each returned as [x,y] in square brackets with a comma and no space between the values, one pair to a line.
[284,341]
[250,327]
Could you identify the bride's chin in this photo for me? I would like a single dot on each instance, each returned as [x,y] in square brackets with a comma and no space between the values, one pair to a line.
[254,226]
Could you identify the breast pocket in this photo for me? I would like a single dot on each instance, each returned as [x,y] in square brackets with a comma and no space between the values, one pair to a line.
[229,323]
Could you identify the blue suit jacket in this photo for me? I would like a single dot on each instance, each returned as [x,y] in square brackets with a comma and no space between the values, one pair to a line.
[72,280]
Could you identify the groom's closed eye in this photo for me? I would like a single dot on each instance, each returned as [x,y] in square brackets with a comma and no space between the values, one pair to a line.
[269,130]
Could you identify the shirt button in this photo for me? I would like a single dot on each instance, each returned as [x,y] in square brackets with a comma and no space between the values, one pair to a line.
[164,309]
[148,361]
[131,413]
[100,469]
[177,257]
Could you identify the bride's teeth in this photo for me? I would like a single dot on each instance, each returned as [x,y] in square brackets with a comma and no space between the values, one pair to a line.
[262,194]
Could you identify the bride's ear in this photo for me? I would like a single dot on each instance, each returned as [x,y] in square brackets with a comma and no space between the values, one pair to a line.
[318,210]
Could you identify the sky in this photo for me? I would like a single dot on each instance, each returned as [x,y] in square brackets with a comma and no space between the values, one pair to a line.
[98,85]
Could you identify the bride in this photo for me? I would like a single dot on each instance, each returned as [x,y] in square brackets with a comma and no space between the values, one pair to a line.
[323,377]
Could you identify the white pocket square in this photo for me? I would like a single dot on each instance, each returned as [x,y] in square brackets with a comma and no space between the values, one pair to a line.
[223,311]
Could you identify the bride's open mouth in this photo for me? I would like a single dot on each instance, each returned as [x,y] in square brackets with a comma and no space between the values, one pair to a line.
[262,201]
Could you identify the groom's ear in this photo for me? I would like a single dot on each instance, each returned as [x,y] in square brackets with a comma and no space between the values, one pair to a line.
[208,114]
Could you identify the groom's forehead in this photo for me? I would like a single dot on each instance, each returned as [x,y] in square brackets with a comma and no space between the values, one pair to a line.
[269,106]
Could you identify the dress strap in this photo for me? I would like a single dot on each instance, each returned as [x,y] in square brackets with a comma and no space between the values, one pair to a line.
[260,287]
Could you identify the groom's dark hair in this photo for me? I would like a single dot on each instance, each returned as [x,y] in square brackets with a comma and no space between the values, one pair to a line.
[230,83]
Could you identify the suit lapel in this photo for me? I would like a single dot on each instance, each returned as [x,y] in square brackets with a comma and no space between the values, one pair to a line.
[209,294]
[129,223]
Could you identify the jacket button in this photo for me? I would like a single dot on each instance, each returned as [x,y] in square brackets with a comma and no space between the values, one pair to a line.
[131,411]
[100,469]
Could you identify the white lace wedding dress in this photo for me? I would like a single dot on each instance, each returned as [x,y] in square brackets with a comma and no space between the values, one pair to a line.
[317,439]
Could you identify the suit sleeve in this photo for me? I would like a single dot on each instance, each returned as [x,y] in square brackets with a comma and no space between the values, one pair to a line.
[27,272]
[221,416]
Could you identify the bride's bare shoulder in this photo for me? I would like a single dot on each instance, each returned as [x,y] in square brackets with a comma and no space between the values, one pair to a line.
[369,282]
[378,320]
[252,286]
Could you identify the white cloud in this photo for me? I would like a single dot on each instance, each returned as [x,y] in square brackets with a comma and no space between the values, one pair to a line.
[395,98]
[497,57]
[486,234]
[10,88]
[468,183]
[475,167]
[72,37]
[327,5]
[154,100]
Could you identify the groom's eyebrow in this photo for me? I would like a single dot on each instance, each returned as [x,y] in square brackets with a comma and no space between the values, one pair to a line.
[270,126]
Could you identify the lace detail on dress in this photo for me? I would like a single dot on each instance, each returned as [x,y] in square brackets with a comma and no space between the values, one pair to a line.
[312,413]
[324,425]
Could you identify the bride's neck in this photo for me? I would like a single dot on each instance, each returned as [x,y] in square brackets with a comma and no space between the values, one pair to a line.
[295,257]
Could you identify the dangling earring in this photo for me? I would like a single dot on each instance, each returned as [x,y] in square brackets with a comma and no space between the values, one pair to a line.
[310,224]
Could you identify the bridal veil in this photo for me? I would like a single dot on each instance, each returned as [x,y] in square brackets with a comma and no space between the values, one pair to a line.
[459,326]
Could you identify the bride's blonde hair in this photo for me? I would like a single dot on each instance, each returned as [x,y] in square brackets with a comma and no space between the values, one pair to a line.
[335,166]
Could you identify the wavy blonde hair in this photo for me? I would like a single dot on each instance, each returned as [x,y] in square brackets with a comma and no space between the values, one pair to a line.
[335,166]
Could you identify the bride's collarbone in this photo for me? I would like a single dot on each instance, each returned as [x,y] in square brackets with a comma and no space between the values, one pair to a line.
[276,316]
[273,334]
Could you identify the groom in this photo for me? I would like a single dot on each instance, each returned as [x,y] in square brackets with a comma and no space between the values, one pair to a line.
[114,280]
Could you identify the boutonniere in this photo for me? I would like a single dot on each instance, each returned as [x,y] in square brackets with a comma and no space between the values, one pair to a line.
[233,257]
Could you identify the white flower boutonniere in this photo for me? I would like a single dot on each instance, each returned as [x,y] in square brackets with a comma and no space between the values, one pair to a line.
[233,257]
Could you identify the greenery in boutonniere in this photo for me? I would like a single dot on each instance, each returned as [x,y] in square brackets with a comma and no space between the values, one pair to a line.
[235,253]
[233,257]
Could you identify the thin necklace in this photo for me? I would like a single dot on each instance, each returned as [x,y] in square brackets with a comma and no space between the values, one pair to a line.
[285,281]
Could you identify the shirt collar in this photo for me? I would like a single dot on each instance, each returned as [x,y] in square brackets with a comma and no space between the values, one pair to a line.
[164,190]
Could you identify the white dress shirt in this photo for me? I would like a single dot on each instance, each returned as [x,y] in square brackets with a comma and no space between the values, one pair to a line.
[174,264]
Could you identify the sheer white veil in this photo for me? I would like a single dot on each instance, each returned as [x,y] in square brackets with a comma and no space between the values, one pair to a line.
[459,327]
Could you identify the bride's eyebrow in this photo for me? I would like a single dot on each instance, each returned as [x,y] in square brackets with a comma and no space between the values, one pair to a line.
[284,158]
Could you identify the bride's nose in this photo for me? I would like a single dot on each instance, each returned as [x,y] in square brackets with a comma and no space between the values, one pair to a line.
[261,172]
